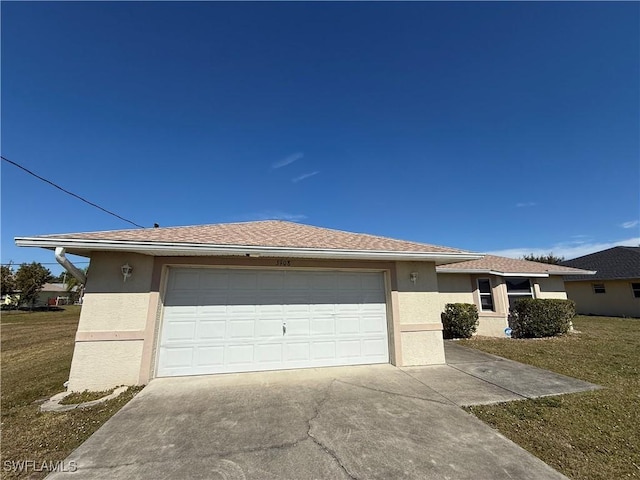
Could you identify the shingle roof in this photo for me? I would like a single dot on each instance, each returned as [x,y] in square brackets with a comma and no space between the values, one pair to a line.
[509,265]
[268,233]
[613,263]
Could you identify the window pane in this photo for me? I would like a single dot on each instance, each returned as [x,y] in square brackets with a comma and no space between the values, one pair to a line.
[518,285]
[599,288]
[636,289]
[486,302]
[484,285]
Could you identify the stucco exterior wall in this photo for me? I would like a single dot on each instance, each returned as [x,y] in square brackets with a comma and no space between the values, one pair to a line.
[418,310]
[454,288]
[113,318]
[418,302]
[551,287]
[422,348]
[99,366]
[618,301]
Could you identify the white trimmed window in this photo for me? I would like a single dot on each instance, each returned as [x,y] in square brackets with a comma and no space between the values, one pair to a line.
[599,288]
[486,295]
[518,288]
[636,289]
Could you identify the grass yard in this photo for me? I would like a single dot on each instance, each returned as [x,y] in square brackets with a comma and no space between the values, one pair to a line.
[36,357]
[592,435]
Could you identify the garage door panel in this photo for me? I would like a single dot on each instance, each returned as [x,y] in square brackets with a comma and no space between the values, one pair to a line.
[239,354]
[210,356]
[214,280]
[371,348]
[226,320]
[269,353]
[297,327]
[372,324]
[241,328]
[348,348]
[296,351]
[184,279]
[323,326]
[177,357]
[183,298]
[348,325]
[323,350]
[268,328]
[211,329]
[180,331]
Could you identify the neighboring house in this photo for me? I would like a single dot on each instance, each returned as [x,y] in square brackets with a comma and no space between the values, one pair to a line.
[614,290]
[494,283]
[53,294]
[250,296]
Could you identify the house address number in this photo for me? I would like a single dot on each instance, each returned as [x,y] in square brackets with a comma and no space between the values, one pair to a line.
[283,263]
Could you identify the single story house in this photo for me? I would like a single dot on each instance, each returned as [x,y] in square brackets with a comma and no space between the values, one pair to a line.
[53,294]
[494,283]
[614,290]
[249,296]
[256,296]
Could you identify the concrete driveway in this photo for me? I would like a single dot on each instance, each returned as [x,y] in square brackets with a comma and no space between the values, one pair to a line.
[365,422]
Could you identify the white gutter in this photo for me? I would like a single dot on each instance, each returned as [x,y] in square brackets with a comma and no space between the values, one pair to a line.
[172,248]
[70,267]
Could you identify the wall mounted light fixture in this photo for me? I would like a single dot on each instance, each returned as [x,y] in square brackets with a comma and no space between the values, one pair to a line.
[126,270]
[413,276]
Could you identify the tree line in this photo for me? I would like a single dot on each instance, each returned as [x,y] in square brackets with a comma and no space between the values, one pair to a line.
[27,281]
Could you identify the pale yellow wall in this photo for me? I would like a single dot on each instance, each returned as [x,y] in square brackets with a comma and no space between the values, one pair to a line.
[454,288]
[418,302]
[98,366]
[551,287]
[111,309]
[422,348]
[618,301]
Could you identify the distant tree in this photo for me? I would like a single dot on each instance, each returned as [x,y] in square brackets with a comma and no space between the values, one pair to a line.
[550,258]
[8,280]
[30,278]
[72,283]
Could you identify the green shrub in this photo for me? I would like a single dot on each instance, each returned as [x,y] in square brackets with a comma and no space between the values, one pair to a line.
[541,317]
[459,320]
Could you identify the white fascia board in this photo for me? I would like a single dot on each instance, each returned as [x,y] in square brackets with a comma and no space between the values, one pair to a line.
[160,248]
[510,274]
[490,272]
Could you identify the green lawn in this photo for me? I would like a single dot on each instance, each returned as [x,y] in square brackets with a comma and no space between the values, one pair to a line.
[592,435]
[36,357]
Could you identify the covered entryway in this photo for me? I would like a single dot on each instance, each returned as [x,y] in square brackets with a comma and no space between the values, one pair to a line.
[218,320]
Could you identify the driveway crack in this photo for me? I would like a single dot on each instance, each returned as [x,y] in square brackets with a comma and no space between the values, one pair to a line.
[332,454]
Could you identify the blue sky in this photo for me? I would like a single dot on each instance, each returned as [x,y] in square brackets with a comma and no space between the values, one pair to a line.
[496,127]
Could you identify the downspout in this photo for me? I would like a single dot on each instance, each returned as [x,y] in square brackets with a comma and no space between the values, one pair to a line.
[70,267]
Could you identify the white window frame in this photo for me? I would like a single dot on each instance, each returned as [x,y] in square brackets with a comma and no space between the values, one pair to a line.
[635,290]
[510,295]
[596,286]
[481,294]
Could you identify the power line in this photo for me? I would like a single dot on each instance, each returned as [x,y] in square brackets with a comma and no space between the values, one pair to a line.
[68,192]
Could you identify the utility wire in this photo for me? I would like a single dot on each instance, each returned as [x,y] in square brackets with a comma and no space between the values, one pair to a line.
[68,192]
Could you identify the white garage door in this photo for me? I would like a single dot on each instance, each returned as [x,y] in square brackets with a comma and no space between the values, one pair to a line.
[234,320]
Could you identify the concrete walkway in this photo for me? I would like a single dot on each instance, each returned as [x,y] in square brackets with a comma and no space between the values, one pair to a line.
[472,377]
[365,422]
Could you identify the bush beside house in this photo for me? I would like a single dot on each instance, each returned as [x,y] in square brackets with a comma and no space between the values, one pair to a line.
[538,317]
[459,320]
